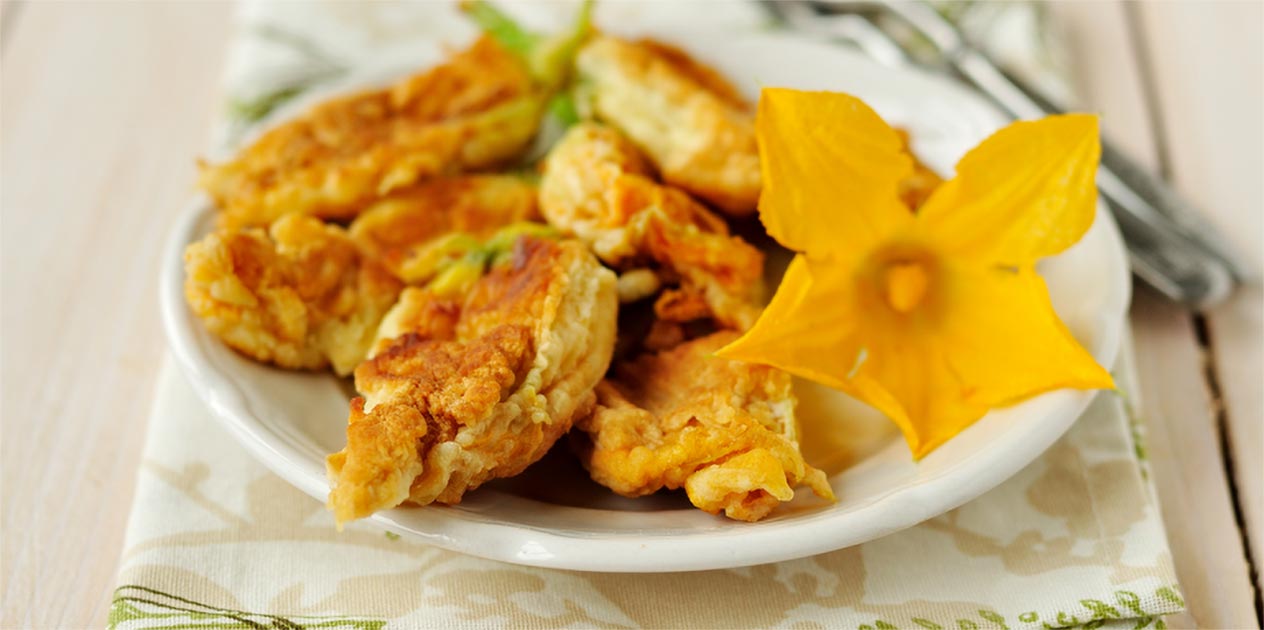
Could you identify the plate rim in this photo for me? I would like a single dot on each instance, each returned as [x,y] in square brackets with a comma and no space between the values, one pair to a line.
[530,545]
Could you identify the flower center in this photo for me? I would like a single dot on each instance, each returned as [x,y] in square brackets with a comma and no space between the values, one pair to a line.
[906,284]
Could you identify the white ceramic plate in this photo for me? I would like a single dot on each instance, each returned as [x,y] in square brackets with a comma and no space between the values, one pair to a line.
[554,516]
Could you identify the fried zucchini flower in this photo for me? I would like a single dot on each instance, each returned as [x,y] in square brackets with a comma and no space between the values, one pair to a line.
[725,431]
[597,186]
[476,376]
[692,124]
[479,109]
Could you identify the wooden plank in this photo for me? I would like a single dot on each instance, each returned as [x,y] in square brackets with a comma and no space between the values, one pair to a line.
[103,107]
[1176,403]
[1185,456]
[1213,99]
[1237,341]
[9,10]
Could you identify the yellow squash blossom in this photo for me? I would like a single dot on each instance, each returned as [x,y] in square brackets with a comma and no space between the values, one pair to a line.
[931,318]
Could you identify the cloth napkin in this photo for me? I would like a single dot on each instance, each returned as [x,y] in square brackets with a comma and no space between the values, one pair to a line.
[217,541]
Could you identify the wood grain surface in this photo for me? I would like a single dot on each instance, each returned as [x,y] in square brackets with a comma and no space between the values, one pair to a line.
[1176,84]
[103,105]
[1213,125]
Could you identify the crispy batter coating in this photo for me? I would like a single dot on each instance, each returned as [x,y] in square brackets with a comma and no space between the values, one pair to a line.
[299,295]
[468,388]
[478,109]
[597,186]
[691,123]
[723,430]
[404,231]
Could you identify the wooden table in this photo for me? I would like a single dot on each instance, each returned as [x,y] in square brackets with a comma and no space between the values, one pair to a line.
[103,106]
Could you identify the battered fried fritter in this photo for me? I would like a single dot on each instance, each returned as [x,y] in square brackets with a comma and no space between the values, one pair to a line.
[411,232]
[469,387]
[723,430]
[597,186]
[478,109]
[691,123]
[299,295]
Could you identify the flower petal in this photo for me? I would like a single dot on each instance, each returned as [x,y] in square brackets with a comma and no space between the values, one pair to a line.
[1005,333]
[1024,193]
[807,328]
[831,171]
[996,341]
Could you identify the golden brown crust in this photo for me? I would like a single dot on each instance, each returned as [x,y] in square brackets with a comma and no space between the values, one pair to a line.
[691,122]
[476,110]
[298,296]
[700,73]
[401,229]
[722,430]
[597,186]
[469,388]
